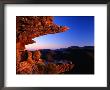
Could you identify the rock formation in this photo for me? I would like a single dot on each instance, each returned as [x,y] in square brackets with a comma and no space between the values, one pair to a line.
[27,28]
[36,55]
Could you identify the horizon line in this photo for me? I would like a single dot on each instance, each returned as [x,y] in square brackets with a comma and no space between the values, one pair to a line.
[57,48]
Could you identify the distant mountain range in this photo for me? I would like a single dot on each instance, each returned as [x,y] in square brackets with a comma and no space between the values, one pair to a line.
[71,47]
[82,57]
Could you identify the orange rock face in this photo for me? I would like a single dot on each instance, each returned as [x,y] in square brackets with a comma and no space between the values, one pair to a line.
[27,28]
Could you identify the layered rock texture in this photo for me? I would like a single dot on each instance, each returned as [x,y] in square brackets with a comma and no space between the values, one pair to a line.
[27,28]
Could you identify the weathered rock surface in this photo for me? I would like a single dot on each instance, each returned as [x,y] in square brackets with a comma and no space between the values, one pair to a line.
[27,28]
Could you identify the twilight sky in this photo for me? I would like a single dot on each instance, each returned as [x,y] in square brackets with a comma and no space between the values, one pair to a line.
[81,33]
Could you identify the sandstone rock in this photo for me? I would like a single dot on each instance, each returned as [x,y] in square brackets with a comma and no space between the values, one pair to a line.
[27,28]
[36,55]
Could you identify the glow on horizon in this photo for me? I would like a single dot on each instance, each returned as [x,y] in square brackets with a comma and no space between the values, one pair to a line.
[41,44]
[36,46]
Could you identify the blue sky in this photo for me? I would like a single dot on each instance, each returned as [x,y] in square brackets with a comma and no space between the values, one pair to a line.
[81,33]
